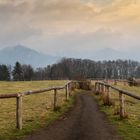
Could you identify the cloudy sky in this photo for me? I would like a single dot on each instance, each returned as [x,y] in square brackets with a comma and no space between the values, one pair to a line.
[67,27]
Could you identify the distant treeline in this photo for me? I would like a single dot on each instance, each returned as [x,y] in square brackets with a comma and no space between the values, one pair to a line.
[69,68]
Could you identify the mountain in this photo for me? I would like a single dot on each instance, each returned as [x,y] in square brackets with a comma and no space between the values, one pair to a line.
[109,54]
[25,55]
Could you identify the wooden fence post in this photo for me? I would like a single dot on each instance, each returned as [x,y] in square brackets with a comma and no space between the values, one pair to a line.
[55,99]
[95,87]
[115,82]
[19,112]
[72,86]
[75,85]
[102,92]
[69,86]
[108,95]
[124,83]
[66,92]
[105,88]
[100,88]
[122,108]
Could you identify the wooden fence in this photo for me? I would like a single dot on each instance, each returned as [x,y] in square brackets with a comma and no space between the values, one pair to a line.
[18,96]
[125,82]
[104,89]
[114,81]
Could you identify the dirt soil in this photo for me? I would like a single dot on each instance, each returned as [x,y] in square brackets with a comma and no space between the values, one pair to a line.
[83,122]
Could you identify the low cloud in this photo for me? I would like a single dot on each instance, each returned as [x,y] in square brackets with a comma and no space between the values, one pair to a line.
[78,25]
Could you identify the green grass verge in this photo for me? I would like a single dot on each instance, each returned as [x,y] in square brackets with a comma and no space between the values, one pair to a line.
[35,125]
[127,129]
[37,109]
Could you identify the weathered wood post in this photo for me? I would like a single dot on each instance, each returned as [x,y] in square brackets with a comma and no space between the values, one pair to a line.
[100,88]
[115,82]
[124,83]
[105,89]
[108,95]
[55,99]
[74,85]
[66,87]
[122,108]
[95,88]
[69,86]
[19,111]
[102,91]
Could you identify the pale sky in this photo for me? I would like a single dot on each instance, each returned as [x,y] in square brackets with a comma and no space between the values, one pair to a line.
[67,27]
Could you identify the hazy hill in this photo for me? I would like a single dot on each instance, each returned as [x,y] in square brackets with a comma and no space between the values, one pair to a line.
[25,56]
[108,54]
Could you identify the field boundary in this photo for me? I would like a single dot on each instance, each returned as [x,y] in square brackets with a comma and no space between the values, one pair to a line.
[69,86]
[104,89]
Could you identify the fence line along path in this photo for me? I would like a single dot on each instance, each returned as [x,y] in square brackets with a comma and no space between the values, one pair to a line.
[18,96]
[104,89]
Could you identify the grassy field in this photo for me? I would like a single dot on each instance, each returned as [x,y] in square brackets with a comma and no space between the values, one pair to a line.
[128,129]
[37,109]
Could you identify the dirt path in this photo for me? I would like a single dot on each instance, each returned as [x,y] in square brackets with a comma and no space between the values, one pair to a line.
[84,122]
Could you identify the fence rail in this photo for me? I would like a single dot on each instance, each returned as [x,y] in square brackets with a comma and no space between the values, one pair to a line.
[126,92]
[104,89]
[18,96]
[5,96]
[115,81]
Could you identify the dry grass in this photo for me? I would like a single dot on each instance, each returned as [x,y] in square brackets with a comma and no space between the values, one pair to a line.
[36,108]
[132,105]
[129,129]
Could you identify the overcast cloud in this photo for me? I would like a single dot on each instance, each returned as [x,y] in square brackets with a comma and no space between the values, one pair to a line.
[63,27]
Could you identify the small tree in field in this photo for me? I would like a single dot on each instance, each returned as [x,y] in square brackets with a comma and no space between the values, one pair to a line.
[17,72]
